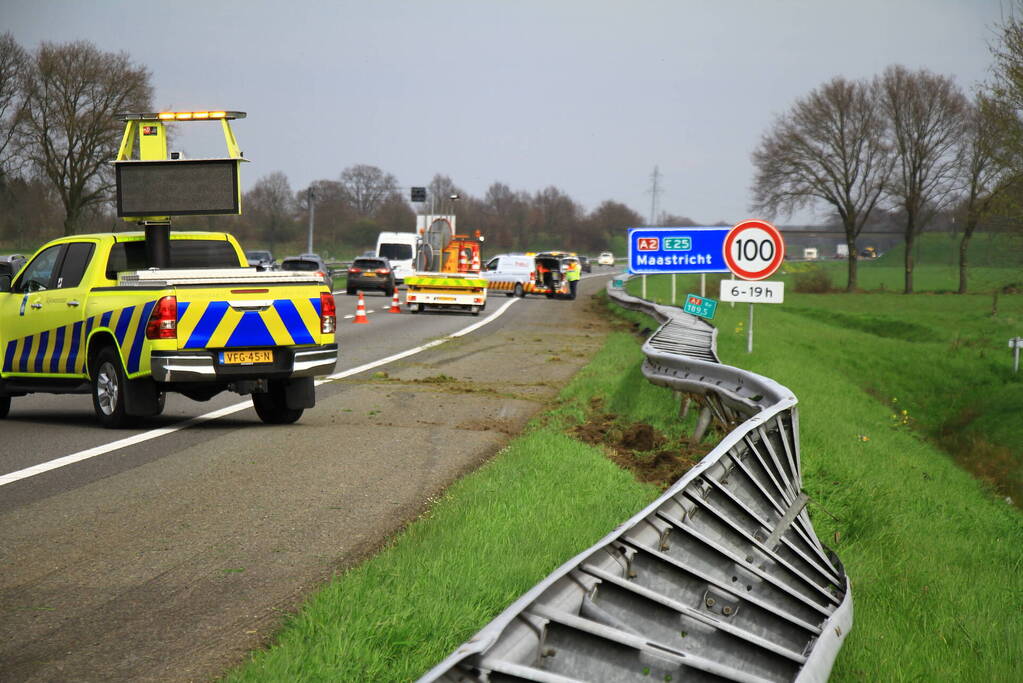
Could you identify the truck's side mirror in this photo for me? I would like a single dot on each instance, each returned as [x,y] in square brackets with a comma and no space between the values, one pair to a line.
[5,283]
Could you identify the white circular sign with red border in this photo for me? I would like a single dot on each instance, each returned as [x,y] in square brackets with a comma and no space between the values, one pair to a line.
[754,249]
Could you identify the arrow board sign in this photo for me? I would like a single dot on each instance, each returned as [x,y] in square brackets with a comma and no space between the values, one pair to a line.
[677,250]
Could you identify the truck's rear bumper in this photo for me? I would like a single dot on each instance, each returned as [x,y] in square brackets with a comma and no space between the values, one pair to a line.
[204,366]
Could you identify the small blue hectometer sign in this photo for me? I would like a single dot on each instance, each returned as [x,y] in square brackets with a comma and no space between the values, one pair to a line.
[677,250]
[701,306]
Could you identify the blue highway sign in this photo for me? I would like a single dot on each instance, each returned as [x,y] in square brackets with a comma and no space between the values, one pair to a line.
[677,250]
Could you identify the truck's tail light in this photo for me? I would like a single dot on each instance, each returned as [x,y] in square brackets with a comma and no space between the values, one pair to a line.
[328,313]
[163,322]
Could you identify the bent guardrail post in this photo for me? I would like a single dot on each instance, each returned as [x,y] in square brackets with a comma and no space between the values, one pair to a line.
[722,576]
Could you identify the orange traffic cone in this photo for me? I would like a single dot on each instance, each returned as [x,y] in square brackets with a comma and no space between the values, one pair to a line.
[395,304]
[360,310]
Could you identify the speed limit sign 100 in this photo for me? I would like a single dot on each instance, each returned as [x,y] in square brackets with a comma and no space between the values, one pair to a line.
[754,249]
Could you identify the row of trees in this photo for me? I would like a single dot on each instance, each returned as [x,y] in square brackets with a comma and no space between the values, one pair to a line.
[58,133]
[908,142]
[364,200]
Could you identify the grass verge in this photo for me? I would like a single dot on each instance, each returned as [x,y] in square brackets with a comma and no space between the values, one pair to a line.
[492,536]
[934,555]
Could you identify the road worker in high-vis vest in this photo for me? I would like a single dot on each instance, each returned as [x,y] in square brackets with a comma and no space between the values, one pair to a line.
[573,270]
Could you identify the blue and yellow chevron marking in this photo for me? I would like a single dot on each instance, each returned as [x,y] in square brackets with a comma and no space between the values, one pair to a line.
[61,350]
[286,322]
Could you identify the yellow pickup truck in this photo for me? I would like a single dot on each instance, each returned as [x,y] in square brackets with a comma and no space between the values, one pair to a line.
[85,315]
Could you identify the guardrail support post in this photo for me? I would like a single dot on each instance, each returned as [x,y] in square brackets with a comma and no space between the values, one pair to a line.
[702,423]
[683,408]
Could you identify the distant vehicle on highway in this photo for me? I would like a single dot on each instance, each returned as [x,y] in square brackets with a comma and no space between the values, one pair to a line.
[11,264]
[309,263]
[401,249]
[371,273]
[260,258]
[606,258]
[584,262]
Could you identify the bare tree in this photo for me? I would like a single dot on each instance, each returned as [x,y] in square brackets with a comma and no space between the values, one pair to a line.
[830,147]
[13,60]
[1008,68]
[366,188]
[926,119]
[554,218]
[992,166]
[270,205]
[505,213]
[671,220]
[72,92]
[441,190]
[334,213]
[609,222]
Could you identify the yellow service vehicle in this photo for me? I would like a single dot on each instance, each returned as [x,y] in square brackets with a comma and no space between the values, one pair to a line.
[82,316]
[130,316]
[457,285]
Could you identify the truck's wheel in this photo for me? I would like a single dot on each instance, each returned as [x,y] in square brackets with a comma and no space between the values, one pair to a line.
[161,401]
[272,407]
[519,292]
[108,385]
[415,308]
[475,310]
[5,406]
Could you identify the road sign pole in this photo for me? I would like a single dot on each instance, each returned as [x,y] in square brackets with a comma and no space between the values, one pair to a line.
[644,286]
[673,289]
[749,331]
[1015,360]
[703,284]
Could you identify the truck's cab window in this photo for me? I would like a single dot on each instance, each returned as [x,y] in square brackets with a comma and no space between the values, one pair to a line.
[39,273]
[129,256]
[76,260]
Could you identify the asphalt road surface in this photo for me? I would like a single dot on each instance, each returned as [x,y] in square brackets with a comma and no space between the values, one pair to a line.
[169,552]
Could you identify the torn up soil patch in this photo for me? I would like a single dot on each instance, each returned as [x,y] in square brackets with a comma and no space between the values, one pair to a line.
[640,448]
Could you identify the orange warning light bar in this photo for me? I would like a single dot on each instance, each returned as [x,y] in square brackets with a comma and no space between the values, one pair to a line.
[183,116]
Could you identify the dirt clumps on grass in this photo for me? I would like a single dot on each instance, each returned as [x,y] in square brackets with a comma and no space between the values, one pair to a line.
[638,447]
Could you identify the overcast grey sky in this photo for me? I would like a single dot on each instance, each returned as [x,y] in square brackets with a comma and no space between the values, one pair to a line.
[586,95]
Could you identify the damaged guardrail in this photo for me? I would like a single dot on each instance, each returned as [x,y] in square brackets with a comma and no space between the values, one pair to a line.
[722,577]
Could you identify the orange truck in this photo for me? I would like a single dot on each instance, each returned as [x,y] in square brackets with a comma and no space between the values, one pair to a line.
[457,285]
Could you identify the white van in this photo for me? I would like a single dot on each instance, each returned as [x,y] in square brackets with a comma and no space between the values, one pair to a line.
[401,249]
[510,273]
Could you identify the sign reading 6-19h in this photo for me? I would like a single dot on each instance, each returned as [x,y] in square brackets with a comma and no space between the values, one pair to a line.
[754,249]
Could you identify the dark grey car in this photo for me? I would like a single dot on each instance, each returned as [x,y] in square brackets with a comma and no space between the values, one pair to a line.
[10,265]
[371,273]
[261,258]
[309,263]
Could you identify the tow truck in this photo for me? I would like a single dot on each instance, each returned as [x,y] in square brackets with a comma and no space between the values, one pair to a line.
[131,316]
[457,284]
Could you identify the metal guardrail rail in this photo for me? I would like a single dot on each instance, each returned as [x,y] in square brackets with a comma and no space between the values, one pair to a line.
[721,578]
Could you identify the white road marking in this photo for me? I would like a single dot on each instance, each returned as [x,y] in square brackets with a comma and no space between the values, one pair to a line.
[229,410]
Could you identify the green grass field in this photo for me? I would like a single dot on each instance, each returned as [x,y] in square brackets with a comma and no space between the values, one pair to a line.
[935,555]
